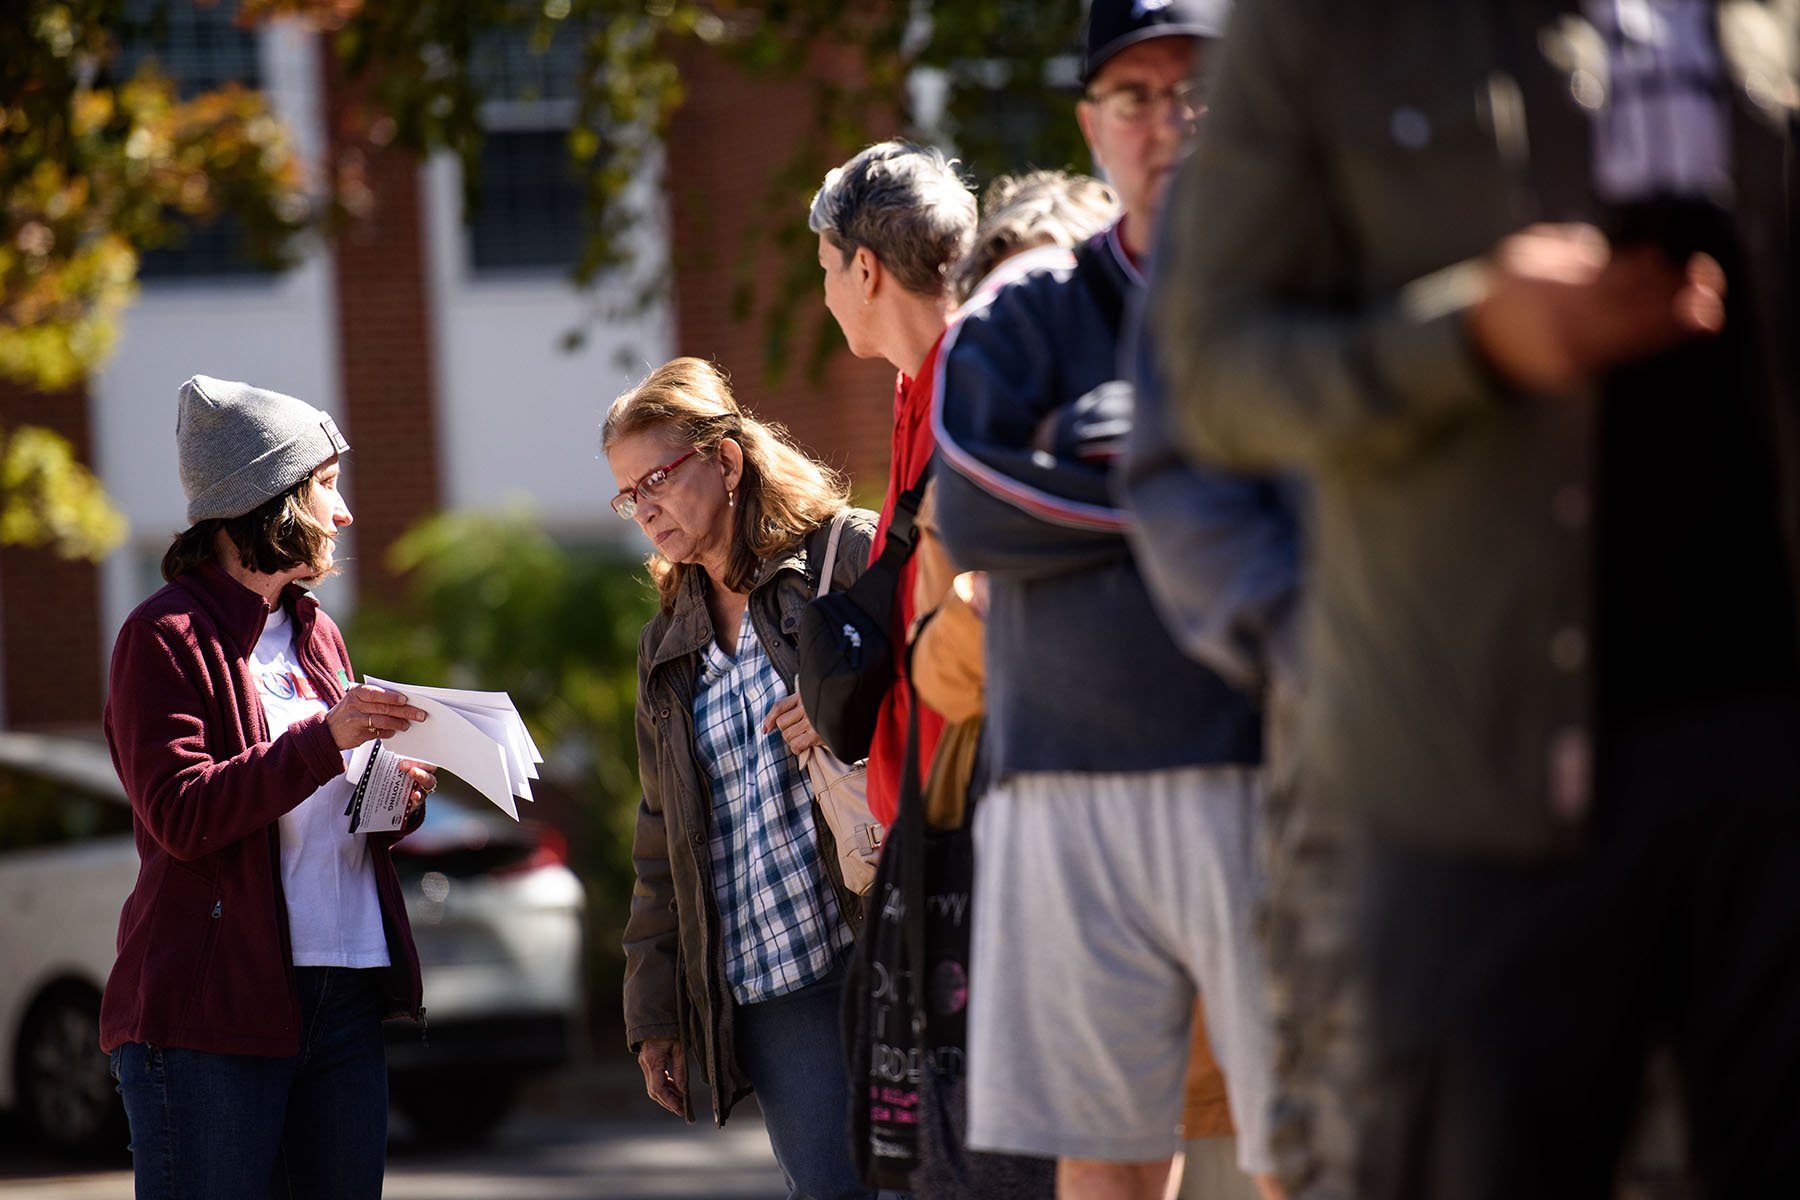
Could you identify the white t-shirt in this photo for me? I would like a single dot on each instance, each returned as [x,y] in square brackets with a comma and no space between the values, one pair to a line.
[334,914]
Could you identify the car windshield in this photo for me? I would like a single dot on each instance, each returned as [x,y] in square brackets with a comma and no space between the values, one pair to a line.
[36,810]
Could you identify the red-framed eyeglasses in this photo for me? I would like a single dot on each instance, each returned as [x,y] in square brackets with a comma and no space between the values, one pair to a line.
[626,502]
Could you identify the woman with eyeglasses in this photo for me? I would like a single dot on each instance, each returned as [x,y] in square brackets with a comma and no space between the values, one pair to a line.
[740,924]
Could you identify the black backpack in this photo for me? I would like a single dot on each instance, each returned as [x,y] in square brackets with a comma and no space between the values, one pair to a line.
[846,649]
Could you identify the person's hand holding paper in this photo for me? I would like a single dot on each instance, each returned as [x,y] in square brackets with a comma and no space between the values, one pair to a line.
[484,751]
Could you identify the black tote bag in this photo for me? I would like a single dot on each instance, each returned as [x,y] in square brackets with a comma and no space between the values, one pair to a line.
[906,1031]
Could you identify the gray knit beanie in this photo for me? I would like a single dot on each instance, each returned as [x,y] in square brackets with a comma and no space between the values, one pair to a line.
[241,446]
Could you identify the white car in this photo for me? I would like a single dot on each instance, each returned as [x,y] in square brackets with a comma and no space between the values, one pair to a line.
[497,915]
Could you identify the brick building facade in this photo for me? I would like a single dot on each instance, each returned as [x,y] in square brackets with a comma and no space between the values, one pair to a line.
[49,606]
[722,150]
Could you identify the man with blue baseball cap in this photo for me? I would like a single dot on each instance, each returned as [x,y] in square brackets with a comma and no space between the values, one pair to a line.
[1116,880]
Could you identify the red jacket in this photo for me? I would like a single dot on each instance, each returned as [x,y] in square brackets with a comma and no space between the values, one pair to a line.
[912,451]
[204,959]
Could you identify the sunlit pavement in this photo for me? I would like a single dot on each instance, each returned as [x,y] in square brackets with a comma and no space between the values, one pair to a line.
[536,1155]
[565,1158]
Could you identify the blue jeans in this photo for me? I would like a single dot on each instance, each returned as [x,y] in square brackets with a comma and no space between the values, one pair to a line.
[792,1048]
[312,1126]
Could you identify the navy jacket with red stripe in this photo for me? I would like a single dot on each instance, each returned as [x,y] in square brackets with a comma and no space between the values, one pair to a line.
[1082,673]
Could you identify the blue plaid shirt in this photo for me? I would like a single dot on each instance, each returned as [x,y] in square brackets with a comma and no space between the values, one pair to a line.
[779,922]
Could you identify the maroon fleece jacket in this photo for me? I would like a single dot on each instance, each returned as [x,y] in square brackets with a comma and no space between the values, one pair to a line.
[204,957]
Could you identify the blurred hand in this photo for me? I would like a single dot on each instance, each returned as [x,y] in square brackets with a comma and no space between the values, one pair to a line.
[367,712]
[1562,305]
[1091,429]
[788,717]
[1096,425]
[424,783]
[971,587]
[664,1065]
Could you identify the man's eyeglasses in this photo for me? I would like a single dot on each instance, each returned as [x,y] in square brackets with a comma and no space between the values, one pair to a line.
[1135,104]
[626,502]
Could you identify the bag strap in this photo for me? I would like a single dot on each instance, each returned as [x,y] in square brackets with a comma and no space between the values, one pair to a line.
[830,559]
[1101,283]
[827,563]
[911,819]
[902,533]
[902,530]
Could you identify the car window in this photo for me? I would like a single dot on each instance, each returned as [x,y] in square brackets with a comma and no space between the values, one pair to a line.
[38,811]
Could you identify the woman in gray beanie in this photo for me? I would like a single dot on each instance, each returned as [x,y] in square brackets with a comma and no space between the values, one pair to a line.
[263,943]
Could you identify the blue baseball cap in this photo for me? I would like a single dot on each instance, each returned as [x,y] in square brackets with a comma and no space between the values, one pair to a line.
[1113,25]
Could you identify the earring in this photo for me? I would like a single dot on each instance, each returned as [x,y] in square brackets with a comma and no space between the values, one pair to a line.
[730,499]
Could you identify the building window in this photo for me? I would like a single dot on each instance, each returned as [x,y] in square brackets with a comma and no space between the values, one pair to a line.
[998,83]
[529,202]
[203,252]
[200,48]
[514,65]
[529,211]
[1001,130]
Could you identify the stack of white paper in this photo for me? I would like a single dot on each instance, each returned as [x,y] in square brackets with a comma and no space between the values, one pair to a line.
[478,736]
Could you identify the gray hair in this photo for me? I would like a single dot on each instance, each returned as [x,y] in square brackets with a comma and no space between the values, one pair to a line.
[1037,208]
[907,204]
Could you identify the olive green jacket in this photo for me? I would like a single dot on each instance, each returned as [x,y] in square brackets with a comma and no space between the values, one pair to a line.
[674,966]
[1322,247]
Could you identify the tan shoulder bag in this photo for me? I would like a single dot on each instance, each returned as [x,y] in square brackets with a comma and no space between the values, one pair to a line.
[840,788]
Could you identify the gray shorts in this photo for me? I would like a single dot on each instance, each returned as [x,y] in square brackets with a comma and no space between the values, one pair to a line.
[1102,903]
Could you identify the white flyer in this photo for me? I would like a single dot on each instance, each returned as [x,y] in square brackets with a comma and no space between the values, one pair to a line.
[378,804]
[477,736]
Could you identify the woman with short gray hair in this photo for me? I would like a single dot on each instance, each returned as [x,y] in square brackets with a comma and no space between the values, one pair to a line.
[903,204]
[892,223]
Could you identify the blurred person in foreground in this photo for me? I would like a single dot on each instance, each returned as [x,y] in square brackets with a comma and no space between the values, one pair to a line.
[264,942]
[1513,288]
[892,223]
[740,926]
[1115,879]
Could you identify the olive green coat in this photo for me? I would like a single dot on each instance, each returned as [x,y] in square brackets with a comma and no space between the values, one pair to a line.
[1321,249]
[674,967]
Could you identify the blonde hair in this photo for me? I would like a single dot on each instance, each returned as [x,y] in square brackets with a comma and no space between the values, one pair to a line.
[1034,209]
[782,496]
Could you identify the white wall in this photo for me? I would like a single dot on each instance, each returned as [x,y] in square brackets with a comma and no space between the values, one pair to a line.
[519,417]
[276,332]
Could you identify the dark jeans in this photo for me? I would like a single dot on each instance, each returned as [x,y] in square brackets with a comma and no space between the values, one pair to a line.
[237,1126]
[1513,1005]
[792,1049]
